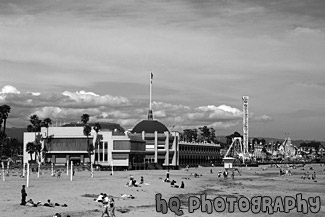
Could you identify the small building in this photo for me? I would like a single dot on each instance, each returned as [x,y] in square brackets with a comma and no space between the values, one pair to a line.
[228,162]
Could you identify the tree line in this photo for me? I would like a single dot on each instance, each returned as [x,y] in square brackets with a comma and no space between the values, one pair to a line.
[203,134]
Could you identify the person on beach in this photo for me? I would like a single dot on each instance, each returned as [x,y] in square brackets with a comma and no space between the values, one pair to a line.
[167,177]
[105,205]
[49,203]
[111,208]
[23,196]
[173,184]
[58,174]
[100,198]
[141,180]
[313,176]
[225,174]
[182,185]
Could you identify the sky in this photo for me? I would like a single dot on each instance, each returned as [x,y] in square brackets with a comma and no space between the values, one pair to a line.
[63,58]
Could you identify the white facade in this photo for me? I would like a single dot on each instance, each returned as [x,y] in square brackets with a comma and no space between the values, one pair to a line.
[69,143]
[162,147]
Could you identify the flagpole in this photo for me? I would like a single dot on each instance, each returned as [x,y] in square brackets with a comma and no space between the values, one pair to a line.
[150,75]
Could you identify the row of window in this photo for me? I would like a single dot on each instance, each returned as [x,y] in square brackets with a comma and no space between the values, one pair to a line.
[198,149]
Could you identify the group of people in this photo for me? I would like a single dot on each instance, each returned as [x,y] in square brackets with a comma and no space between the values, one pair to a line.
[30,202]
[133,183]
[108,204]
[59,215]
[307,175]
[225,174]
[173,182]
[285,172]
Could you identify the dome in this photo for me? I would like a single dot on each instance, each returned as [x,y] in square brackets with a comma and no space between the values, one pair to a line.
[149,126]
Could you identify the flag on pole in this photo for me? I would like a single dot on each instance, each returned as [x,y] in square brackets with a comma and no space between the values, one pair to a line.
[151,77]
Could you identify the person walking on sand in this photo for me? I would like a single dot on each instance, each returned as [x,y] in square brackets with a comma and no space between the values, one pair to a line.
[111,208]
[58,174]
[105,205]
[23,196]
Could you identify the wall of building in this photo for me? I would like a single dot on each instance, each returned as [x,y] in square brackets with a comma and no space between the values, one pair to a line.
[195,154]
[162,148]
[69,143]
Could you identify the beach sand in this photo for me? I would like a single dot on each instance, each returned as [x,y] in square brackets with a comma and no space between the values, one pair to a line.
[80,193]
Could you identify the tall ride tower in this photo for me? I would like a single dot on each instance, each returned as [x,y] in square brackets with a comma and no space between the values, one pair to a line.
[245,123]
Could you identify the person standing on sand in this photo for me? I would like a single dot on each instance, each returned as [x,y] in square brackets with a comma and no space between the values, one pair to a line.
[58,174]
[141,180]
[111,208]
[23,196]
[105,205]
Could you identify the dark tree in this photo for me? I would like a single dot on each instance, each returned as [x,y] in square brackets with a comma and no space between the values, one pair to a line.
[87,130]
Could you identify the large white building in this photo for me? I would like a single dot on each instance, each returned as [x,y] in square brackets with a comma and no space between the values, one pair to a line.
[70,144]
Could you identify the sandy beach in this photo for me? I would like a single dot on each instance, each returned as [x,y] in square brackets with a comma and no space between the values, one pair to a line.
[80,193]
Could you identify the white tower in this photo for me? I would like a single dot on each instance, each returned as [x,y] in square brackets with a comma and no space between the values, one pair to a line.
[245,123]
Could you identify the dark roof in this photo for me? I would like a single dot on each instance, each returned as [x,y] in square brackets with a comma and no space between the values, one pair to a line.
[149,126]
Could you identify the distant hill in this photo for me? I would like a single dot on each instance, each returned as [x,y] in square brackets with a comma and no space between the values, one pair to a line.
[17,133]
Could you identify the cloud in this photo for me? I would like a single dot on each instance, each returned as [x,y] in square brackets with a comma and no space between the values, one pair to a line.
[262,118]
[216,113]
[9,89]
[305,32]
[92,99]
[69,106]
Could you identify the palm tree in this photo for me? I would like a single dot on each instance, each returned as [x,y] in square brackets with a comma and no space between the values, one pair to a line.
[97,128]
[38,146]
[30,149]
[4,113]
[46,123]
[87,130]
[35,125]
[5,110]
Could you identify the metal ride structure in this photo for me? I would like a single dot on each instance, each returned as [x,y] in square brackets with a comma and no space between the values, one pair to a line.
[239,146]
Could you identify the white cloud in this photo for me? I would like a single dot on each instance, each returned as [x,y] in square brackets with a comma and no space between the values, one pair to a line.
[307,32]
[9,89]
[35,93]
[261,118]
[92,99]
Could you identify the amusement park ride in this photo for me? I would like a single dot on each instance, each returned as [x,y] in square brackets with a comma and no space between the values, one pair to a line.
[238,150]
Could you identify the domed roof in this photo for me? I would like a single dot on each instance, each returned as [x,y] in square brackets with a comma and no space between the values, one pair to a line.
[149,126]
